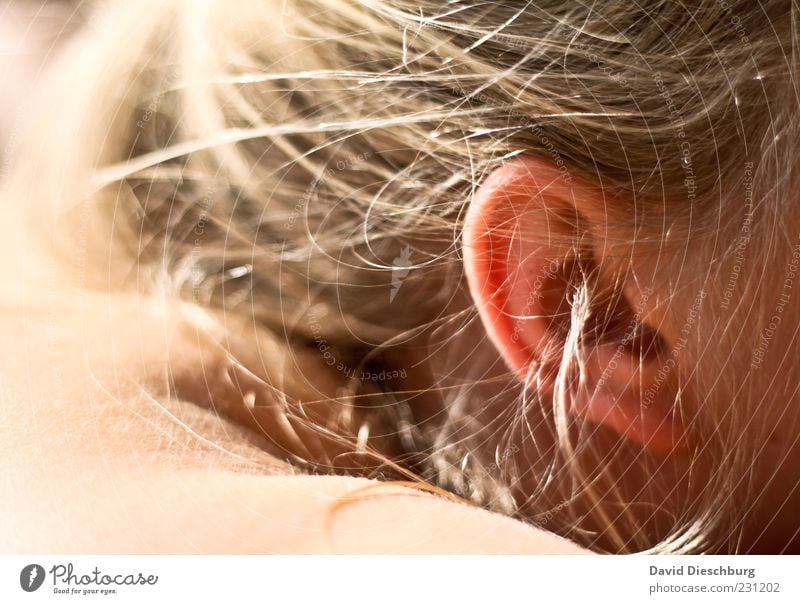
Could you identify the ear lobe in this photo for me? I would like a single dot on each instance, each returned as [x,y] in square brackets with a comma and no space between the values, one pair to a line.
[529,250]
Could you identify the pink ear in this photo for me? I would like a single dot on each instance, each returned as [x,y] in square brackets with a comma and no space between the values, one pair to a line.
[520,238]
[513,280]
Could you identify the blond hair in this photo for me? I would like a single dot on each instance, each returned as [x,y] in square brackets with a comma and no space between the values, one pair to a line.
[301,171]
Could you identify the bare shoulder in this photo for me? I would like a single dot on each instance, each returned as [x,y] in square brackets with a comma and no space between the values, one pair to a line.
[98,463]
[149,510]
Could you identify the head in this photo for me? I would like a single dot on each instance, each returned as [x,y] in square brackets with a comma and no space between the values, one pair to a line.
[541,255]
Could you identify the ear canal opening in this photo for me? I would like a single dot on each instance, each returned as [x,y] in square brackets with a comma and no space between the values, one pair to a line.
[555,301]
[611,320]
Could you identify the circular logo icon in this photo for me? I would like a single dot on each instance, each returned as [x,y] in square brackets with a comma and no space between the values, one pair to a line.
[31,577]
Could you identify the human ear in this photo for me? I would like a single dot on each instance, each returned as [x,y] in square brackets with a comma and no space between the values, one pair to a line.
[554,293]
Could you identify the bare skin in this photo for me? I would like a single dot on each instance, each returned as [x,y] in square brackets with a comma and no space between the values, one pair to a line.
[94,463]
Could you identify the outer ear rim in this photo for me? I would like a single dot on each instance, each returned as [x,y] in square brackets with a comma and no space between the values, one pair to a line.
[475,254]
[516,176]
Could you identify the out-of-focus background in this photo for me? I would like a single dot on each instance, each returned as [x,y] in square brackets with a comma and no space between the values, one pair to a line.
[32,33]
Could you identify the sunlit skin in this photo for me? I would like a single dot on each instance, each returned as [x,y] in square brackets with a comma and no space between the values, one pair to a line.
[120,436]
[97,463]
[688,329]
[93,465]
